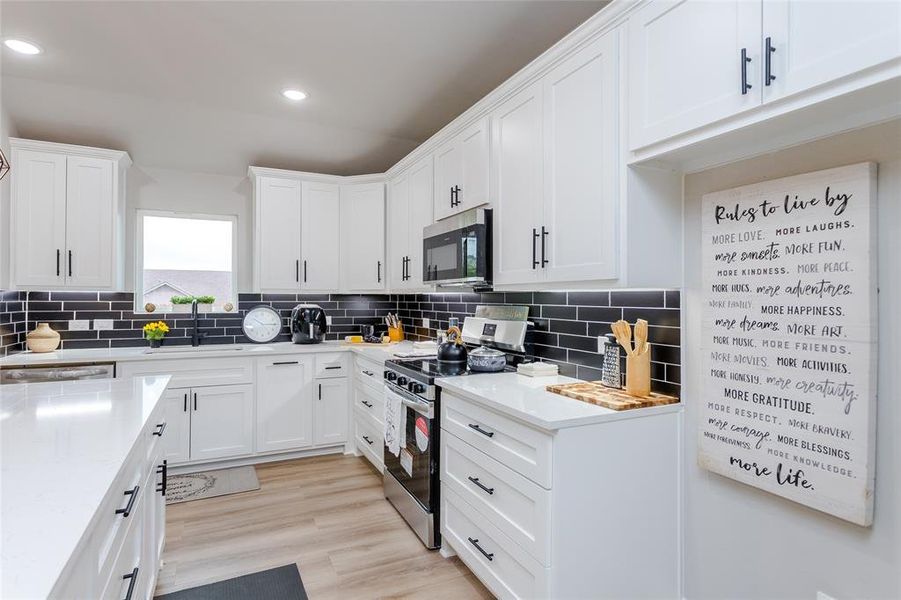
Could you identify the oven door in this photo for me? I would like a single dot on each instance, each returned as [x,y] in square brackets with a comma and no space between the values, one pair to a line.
[413,468]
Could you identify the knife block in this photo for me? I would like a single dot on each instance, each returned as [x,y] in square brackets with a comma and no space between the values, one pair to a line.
[638,374]
[396,334]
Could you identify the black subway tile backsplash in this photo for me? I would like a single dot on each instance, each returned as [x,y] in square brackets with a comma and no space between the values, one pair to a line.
[567,323]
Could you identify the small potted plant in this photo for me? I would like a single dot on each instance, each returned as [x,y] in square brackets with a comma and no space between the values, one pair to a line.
[155,331]
[205,303]
[182,304]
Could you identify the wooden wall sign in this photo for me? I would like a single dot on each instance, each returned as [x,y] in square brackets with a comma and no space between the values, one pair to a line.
[789,338]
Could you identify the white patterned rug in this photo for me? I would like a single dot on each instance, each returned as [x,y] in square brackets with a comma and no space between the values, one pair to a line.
[209,484]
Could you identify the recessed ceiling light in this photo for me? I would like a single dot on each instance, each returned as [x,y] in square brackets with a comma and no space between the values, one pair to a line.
[22,47]
[293,94]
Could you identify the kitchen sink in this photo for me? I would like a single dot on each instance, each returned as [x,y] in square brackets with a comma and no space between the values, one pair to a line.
[196,349]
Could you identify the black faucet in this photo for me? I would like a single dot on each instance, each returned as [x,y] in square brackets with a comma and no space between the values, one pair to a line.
[196,334]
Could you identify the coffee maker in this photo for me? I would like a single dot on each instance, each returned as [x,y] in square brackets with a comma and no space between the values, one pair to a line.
[308,324]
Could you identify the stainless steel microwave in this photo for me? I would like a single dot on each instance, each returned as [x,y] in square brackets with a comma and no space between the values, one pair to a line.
[456,251]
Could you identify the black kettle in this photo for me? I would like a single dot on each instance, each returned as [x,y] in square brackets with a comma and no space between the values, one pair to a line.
[452,351]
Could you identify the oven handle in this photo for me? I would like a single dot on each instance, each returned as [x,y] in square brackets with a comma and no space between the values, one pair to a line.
[423,408]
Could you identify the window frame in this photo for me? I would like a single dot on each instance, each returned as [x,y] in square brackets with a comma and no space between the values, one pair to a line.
[139,249]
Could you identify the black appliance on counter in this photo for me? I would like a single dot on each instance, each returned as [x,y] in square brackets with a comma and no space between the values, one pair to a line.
[456,251]
[308,324]
[411,479]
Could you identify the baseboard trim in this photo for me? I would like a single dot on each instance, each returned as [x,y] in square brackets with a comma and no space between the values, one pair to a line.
[254,460]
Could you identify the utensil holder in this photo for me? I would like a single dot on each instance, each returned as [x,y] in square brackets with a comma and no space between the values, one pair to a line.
[638,374]
[396,334]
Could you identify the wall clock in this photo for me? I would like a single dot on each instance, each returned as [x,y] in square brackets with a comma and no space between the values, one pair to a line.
[262,324]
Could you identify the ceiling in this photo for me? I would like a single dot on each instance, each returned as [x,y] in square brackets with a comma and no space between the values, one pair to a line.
[196,85]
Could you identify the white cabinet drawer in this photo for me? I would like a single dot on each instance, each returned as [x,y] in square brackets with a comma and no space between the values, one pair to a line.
[370,440]
[368,372]
[517,506]
[521,448]
[505,568]
[331,364]
[370,402]
[126,571]
[127,492]
[193,372]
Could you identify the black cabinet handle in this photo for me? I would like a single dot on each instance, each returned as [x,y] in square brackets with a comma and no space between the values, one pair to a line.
[297,269]
[476,481]
[379,271]
[57,262]
[132,496]
[304,271]
[475,427]
[366,404]
[534,248]
[70,263]
[163,470]
[161,429]
[544,233]
[333,367]
[368,441]
[475,542]
[285,362]
[768,62]
[452,197]
[745,86]
[186,402]
[456,192]
[320,391]
[132,580]
[365,372]
[195,400]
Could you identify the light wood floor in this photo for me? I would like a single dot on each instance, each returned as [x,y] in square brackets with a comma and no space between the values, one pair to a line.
[327,515]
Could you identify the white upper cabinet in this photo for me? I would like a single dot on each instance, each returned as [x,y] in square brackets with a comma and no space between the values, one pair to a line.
[517,156]
[461,171]
[409,211]
[363,237]
[694,63]
[277,234]
[39,218]
[320,237]
[66,216]
[90,207]
[398,230]
[555,160]
[812,42]
[686,66]
[581,164]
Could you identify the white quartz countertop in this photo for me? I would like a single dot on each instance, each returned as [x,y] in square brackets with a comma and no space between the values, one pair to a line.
[526,399]
[63,444]
[378,352]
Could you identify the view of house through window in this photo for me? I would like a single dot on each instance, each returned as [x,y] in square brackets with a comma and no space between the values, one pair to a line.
[184,257]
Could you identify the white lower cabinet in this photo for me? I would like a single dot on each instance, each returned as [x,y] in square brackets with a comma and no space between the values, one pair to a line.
[284,403]
[177,440]
[221,422]
[538,513]
[119,556]
[330,410]
[369,411]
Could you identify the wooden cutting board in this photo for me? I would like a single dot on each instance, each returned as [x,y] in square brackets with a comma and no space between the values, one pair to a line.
[595,392]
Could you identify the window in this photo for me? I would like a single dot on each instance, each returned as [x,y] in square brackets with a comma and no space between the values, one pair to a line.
[184,255]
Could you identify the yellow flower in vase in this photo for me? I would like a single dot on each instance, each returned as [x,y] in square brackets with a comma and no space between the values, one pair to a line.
[155,331]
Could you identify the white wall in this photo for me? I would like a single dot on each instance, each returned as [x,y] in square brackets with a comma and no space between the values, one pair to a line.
[7,130]
[741,542]
[182,191]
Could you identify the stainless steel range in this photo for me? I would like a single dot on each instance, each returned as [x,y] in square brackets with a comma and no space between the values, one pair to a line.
[411,477]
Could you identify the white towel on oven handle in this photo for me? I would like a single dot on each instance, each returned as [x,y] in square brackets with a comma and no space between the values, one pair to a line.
[395,422]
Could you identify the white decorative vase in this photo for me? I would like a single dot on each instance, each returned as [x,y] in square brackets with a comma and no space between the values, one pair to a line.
[42,339]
